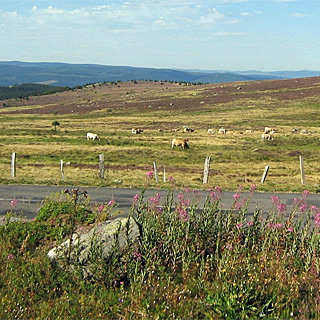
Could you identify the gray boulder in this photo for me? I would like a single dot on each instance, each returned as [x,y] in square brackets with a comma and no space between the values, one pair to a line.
[99,243]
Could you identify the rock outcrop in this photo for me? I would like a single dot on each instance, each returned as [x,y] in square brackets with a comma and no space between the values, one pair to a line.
[99,243]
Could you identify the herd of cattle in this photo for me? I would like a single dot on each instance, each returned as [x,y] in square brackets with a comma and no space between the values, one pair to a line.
[183,143]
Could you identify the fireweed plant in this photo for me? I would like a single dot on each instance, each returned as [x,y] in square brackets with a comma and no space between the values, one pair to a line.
[190,262]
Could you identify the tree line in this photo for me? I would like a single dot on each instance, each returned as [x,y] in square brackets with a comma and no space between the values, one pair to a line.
[23,91]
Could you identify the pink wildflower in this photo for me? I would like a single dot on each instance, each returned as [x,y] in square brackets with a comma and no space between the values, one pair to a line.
[253,188]
[275,199]
[183,201]
[155,200]
[236,197]
[290,229]
[306,193]
[250,223]
[217,194]
[239,205]
[183,215]
[281,207]
[100,208]
[275,225]
[14,203]
[296,202]
[137,255]
[10,256]
[304,207]
[149,174]
[239,225]
[111,203]
[136,198]
[317,219]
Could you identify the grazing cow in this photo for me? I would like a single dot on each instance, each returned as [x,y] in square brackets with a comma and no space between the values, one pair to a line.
[266,136]
[180,142]
[269,130]
[211,131]
[186,129]
[222,131]
[92,136]
[136,130]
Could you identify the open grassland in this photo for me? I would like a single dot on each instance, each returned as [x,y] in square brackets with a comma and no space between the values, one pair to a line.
[161,110]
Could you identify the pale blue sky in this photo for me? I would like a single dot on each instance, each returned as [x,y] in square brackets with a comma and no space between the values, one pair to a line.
[267,35]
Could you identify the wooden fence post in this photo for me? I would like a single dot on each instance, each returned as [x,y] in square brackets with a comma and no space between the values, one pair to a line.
[164,174]
[61,169]
[264,174]
[155,171]
[13,165]
[303,180]
[206,170]
[101,166]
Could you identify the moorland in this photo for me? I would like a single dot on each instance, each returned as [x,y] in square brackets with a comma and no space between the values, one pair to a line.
[163,110]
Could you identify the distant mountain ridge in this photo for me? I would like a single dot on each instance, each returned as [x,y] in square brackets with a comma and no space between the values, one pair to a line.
[72,75]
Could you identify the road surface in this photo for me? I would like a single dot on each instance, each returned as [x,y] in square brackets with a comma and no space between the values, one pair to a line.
[30,198]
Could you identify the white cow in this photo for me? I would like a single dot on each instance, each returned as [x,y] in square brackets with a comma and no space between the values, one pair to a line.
[186,129]
[92,136]
[267,136]
[136,130]
[269,130]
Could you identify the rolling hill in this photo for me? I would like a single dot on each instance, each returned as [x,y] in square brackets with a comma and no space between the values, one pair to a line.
[71,75]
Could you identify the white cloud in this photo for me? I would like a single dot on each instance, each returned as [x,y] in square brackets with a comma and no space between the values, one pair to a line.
[300,15]
[212,17]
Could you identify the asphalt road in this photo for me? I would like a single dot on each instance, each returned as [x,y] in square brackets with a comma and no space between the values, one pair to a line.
[30,198]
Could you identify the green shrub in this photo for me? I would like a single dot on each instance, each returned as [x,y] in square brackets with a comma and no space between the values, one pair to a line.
[66,204]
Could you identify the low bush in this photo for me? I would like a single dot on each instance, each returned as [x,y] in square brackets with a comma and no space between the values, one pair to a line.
[191,263]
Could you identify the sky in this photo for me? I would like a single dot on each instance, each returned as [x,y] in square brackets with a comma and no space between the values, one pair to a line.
[236,35]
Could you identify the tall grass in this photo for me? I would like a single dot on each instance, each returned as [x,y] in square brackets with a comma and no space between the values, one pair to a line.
[191,262]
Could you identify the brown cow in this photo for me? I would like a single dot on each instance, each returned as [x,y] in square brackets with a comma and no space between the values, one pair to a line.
[180,142]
